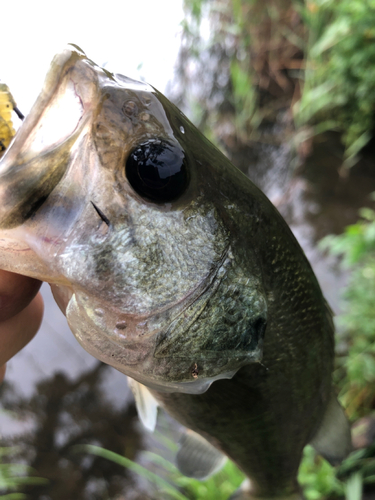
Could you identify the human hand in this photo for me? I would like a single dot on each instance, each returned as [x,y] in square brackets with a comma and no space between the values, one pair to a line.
[21,311]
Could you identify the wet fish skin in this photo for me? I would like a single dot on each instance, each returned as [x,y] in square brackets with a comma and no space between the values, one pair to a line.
[180,294]
[268,412]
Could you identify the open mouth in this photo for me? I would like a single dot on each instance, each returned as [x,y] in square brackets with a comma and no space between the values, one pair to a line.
[38,156]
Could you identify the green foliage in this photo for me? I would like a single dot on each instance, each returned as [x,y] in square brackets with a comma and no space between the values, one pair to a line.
[14,476]
[256,55]
[355,372]
[339,89]
[163,486]
[357,243]
[360,464]
[179,487]
[239,51]
[355,365]
[354,487]
[317,477]
[195,8]
[217,487]
[244,98]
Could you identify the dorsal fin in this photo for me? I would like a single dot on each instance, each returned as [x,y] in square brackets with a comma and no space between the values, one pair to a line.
[147,406]
[197,458]
[333,439]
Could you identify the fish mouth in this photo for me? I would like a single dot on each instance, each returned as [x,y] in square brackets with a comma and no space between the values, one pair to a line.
[55,114]
[38,156]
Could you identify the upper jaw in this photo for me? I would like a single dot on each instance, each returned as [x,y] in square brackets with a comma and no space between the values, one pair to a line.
[39,155]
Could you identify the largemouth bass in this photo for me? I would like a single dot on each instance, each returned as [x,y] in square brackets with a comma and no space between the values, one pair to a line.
[171,266]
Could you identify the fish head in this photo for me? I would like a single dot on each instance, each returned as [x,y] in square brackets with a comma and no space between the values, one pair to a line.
[111,195]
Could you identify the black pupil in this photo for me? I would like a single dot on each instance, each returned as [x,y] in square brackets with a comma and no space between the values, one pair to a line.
[157,170]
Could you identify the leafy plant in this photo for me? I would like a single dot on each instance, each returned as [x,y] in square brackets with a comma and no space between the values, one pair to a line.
[339,81]
[355,363]
[179,487]
[240,52]
[14,476]
[252,58]
[355,374]
[317,477]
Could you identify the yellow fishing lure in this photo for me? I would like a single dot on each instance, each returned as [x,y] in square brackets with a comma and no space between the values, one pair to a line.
[7,105]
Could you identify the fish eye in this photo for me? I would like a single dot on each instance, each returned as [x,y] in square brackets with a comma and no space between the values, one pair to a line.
[157,170]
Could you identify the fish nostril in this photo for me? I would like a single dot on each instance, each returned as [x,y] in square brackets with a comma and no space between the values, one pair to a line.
[121,325]
[130,108]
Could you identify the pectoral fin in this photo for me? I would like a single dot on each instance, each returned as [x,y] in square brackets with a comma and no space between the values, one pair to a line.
[197,458]
[333,439]
[147,406]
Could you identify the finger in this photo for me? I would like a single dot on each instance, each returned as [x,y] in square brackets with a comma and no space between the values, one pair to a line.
[16,292]
[2,373]
[17,331]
